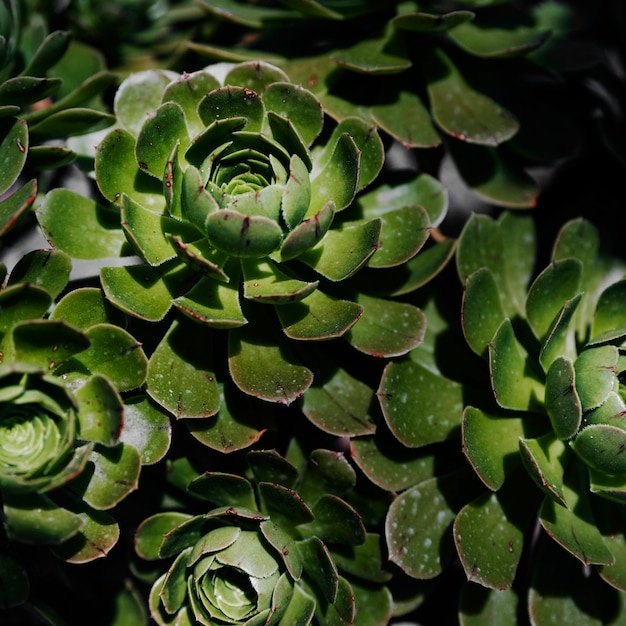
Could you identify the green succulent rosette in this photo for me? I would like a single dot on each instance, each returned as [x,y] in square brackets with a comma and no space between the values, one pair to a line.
[74,435]
[536,403]
[282,546]
[244,211]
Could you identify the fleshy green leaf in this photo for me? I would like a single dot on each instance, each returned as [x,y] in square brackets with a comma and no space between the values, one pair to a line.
[187,91]
[115,475]
[601,447]
[489,540]
[269,466]
[572,525]
[558,283]
[482,311]
[48,269]
[319,565]
[419,406]
[36,518]
[79,226]
[212,303]
[238,424]
[149,230]
[117,172]
[462,111]
[48,53]
[595,375]
[610,317]
[158,136]
[560,340]
[389,464]
[230,101]
[224,489]
[139,94]
[246,236]
[382,55]
[504,247]
[263,369]
[404,232]
[318,316]
[493,175]
[339,177]
[146,428]
[339,404]
[343,251]
[15,206]
[308,233]
[387,328]
[335,522]
[94,541]
[180,372]
[298,105]
[508,36]
[47,343]
[85,307]
[143,291]
[406,119]
[265,282]
[422,190]
[419,522]
[22,90]
[545,459]
[514,386]
[100,411]
[115,354]
[255,75]
[13,150]
[562,401]
[151,531]
[491,444]
[368,144]
[418,271]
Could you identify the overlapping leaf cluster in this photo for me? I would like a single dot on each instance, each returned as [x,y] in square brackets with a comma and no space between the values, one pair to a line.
[261,261]
[245,218]
[428,74]
[544,444]
[50,90]
[74,427]
[280,547]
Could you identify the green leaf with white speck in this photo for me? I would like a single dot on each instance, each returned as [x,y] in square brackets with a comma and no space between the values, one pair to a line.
[387,328]
[180,373]
[418,528]
[420,406]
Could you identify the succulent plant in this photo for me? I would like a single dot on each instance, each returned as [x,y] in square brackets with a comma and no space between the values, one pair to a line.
[50,82]
[243,212]
[133,34]
[407,67]
[71,446]
[281,547]
[540,427]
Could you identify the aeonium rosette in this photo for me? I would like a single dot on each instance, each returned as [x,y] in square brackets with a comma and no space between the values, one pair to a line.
[281,547]
[74,432]
[241,204]
[37,430]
